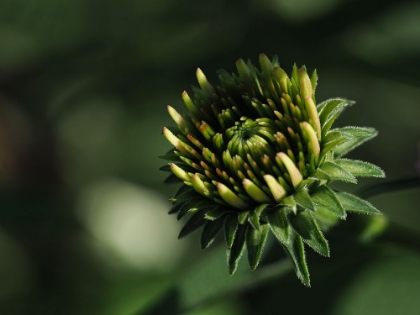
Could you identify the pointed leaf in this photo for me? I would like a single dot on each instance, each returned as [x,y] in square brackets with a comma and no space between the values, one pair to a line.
[176,208]
[255,241]
[196,221]
[181,190]
[187,205]
[330,108]
[336,172]
[165,168]
[242,216]
[331,145]
[238,246]
[172,179]
[303,199]
[359,135]
[333,136]
[216,213]
[360,168]
[231,225]
[306,226]
[292,242]
[355,204]
[189,194]
[170,157]
[210,231]
[325,199]
[254,218]
[296,251]
[289,202]
[277,221]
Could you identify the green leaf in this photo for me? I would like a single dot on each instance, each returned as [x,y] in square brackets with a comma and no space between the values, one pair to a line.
[255,241]
[231,225]
[210,231]
[325,218]
[177,207]
[331,145]
[360,168]
[190,194]
[216,213]
[303,199]
[277,221]
[165,168]
[170,157]
[181,190]
[330,108]
[254,218]
[197,220]
[325,199]
[355,204]
[292,242]
[187,205]
[336,172]
[296,252]
[235,253]
[359,135]
[306,226]
[332,136]
[172,179]
[242,216]
[289,202]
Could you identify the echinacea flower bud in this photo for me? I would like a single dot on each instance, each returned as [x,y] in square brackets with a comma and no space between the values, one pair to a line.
[254,153]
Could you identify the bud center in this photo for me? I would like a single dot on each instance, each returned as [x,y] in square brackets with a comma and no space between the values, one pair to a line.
[244,138]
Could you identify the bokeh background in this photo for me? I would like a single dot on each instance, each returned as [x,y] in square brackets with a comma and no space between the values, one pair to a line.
[83,212]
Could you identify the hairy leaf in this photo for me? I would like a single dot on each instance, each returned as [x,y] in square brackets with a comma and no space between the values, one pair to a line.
[360,168]
[355,204]
[235,253]
[210,231]
[336,172]
[255,241]
[325,198]
[359,134]
[197,220]
[306,226]
[303,199]
[231,225]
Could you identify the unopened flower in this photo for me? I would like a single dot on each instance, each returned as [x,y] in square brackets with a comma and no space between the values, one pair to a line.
[255,154]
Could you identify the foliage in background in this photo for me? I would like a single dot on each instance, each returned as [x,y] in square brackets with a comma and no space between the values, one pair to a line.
[82,85]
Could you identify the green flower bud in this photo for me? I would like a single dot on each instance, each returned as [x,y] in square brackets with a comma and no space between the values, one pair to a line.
[257,153]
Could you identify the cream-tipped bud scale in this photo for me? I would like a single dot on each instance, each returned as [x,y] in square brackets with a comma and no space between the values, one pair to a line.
[253,148]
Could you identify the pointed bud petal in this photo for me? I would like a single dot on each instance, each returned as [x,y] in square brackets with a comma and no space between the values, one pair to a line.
[265,63]
[313,115]
[179,172]
[172,138]
[231,198]
[189,103]
[255,192]
[293,171]
[313,140]
[243,69]
[276,189]
[202,80]
[177,118]
[305,84]
[199,186]
[281,77]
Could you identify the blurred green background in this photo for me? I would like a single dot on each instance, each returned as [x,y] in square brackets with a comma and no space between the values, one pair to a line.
[83,212]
